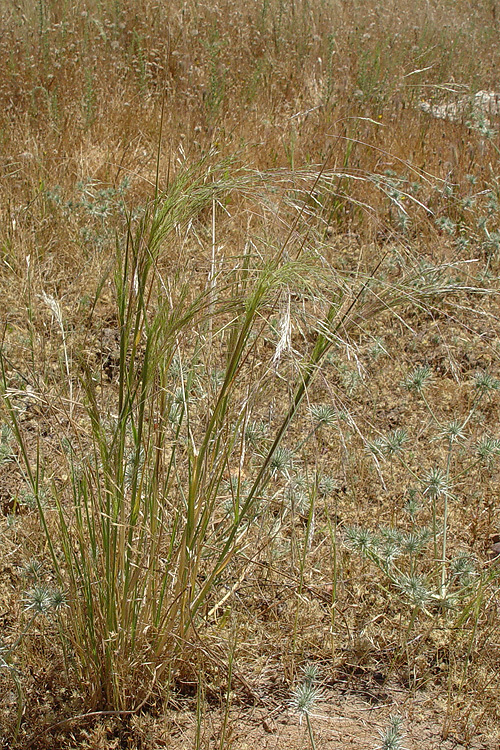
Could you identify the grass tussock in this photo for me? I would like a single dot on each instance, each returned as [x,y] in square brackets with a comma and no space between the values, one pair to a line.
[249,365]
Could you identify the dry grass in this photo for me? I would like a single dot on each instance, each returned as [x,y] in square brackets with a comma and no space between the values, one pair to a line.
[250,324]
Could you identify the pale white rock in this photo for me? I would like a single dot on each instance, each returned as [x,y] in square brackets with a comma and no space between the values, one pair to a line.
[478,109]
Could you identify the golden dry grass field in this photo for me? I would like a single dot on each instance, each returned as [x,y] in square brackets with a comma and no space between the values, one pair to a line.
[249,374]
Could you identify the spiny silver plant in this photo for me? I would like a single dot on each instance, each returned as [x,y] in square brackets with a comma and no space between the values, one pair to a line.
[418,379]
[39,600]
[464,569]
[487,448]
[32,568]
[415,589]
[388,552]
[42,599]
[255,432]
[29,499]
[392,737]
[327,485]
[394,442]
[387,445]
[453,432]
[133,464]
[360,540]
[281,461]
[324,415]
[304,698]
[413,503]
[385,548]
[415,542]
[306,695]
[485,383]
[436,483]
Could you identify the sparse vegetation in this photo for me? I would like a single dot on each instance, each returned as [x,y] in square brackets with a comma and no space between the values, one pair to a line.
[249,443]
